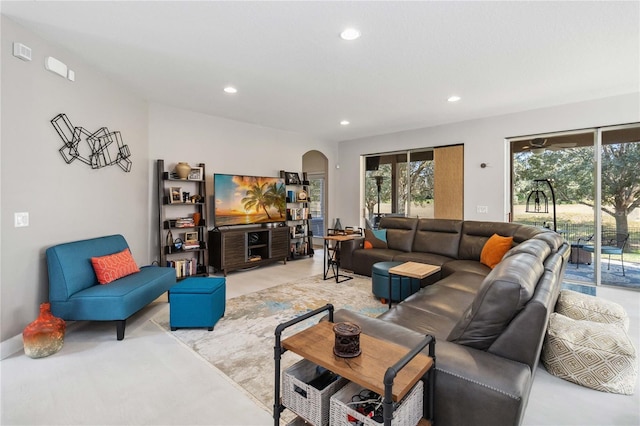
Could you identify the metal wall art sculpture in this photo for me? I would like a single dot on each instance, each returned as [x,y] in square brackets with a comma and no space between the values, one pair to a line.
[102,148]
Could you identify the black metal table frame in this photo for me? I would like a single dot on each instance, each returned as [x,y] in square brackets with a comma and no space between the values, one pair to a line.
[389,376]
[332,261]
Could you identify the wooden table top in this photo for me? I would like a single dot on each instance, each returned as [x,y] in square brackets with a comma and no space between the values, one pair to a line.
[316,344]
[340,237]
[414,270]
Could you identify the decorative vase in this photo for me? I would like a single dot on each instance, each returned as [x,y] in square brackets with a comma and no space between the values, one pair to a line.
[45,335]
[337,225]
[182,170]
[347,340]
[196,219]
[169,240]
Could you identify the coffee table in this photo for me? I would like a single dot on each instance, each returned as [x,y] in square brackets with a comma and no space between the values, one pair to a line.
[384,367]
[410,270]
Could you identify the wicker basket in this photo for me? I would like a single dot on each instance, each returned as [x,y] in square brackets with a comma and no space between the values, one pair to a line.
[408,413]
[305,400]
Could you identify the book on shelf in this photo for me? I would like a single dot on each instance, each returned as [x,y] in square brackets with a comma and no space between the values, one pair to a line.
[298,231]
[190,245]
[300,213]
[300,248]
[184,267]
[184,222]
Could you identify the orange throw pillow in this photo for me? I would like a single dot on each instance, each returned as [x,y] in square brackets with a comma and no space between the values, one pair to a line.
[368,245]
[494,249]
[113,266]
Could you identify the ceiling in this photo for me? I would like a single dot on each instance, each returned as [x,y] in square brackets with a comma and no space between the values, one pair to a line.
[293,71]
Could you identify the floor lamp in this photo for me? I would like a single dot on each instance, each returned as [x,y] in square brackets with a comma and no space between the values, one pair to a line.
[379,185]
[539,197]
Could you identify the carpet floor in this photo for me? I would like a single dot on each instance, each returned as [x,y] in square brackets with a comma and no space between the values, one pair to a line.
[250,322]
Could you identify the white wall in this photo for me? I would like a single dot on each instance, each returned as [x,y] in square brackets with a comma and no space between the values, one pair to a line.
[65,202]
[484,142]
[226,146]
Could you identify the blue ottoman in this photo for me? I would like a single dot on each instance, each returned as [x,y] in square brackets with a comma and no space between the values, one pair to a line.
[197,302]
[380,283]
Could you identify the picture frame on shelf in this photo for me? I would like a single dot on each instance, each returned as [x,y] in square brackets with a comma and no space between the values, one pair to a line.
[195,173]
[175,195]
[190,236]
[292,178]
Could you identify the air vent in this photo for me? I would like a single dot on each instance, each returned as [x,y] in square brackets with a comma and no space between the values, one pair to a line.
[21,51]
[55,66]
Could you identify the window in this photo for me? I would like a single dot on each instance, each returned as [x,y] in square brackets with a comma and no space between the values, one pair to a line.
[398,183]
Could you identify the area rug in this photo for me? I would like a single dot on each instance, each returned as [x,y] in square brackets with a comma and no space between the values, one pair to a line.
[241,344]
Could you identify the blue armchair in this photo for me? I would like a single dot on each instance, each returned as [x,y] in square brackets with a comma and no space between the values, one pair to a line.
[611,244]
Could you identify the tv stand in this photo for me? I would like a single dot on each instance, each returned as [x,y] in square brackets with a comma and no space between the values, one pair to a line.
[232,249]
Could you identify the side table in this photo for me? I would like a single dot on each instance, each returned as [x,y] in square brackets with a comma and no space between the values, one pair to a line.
[410,270]
[332,257]
[368,369]
[578,255]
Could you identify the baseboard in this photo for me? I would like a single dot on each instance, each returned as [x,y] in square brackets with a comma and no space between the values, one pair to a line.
[14,344]
[11,346]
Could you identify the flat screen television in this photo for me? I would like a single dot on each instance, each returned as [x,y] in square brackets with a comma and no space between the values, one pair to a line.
[248,200]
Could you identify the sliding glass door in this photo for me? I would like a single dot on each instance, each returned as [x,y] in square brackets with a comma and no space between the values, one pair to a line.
[406,183]
[398,184]
[385,186]
[594,202]
[619,243]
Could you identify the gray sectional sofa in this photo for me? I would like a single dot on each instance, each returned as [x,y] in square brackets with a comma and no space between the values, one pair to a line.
[489,324]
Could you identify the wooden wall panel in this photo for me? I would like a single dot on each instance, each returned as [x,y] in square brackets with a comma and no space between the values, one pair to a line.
[449,182]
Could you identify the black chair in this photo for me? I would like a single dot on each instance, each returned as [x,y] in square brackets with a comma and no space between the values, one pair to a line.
[611,244]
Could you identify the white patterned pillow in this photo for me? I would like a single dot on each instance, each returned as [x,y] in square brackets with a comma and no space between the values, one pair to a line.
[581,306]
[592,354]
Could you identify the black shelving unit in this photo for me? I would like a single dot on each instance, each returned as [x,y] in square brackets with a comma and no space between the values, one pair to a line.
[176,221]
[298,215]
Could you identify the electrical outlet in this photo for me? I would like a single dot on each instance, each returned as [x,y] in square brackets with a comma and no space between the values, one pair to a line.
[21,219]
[482,209]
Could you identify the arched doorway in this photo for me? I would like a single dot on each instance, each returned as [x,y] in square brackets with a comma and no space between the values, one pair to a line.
[316,165]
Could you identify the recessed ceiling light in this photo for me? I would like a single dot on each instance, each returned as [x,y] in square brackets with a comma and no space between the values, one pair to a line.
[454,98]
[344,122]
[350,34]
[230,89]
